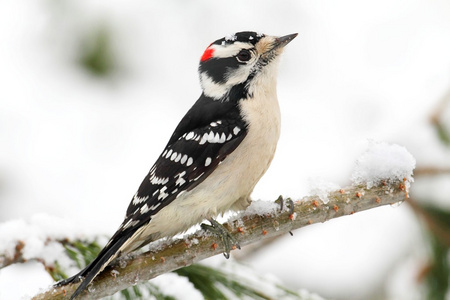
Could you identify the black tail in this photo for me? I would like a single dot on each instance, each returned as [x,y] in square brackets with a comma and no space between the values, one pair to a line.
[105,256]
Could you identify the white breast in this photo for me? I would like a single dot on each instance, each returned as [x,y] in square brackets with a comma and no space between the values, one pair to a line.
[231,184]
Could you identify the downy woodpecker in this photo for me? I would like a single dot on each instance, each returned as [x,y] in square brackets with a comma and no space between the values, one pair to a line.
[217,153]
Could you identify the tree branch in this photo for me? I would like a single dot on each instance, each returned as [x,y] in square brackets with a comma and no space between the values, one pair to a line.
[428,171]
[246,228]
[17,257]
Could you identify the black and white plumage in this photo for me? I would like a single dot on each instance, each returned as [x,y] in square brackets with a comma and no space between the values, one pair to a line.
[217,153]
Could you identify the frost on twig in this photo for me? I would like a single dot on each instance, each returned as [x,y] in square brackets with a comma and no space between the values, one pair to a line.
[373,187]
[47,239]
[264,222]
[383,162]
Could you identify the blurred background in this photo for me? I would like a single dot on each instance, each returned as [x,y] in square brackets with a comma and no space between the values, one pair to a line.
[90,92]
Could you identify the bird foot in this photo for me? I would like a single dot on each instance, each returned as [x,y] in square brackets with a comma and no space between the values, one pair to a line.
[289,204]
[227,239]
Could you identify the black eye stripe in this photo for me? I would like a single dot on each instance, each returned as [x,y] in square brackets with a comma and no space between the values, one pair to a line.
[218,68]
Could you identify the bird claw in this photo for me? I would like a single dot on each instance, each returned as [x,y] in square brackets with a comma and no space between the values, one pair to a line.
[289,204]
[227,239]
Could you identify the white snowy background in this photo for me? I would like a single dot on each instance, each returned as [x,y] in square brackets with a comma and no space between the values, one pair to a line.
[77,146]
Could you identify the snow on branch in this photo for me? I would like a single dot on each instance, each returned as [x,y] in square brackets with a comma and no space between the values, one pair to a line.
[383,162]
[43,238]
[382,176]
[264,220]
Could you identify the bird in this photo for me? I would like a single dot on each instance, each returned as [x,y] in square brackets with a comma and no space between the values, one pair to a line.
[218,152]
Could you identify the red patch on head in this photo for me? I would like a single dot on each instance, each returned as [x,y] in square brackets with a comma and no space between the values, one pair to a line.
[207,54]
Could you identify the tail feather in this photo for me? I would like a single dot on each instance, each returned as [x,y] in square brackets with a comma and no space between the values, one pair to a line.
[74,278]
[111,251]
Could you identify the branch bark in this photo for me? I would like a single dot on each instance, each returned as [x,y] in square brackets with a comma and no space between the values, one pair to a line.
[247,229]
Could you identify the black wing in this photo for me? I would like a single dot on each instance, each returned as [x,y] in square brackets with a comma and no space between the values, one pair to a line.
[207,134]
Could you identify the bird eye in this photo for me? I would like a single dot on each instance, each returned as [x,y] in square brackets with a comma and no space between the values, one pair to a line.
[243,55]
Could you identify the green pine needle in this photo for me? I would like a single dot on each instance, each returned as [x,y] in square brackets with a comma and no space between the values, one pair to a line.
[96,52]
[207,280]
[437,279]
[212,283]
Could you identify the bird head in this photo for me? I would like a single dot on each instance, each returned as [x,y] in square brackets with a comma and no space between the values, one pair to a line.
[231,66]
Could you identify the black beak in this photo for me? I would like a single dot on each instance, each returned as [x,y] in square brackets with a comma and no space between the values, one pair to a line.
[284,40]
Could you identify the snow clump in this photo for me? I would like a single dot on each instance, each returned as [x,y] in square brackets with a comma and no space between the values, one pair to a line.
[38,238]
[230,37]
[384,162]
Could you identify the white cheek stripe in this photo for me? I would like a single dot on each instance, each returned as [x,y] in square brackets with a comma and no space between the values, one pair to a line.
[212,89]
[228,50]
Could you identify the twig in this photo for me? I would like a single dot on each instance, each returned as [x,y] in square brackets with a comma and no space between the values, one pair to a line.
[246,229]
[436,225]
[17,257]
[437,113]
[437,121]
[424,171]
